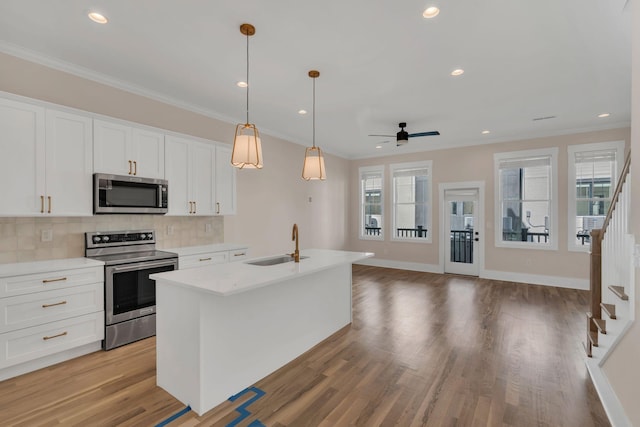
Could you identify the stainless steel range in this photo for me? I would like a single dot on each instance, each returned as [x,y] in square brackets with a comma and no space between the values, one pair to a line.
[130,296]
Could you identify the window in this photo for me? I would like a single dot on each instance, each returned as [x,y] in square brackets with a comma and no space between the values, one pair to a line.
[412,201]
[593,170]
[371,202]
[526,194]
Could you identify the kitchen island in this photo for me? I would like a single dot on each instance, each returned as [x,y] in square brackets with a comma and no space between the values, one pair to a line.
[223,327]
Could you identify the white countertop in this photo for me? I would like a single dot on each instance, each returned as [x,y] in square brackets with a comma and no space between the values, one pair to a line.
[35,267]
[237,277]
[196,250]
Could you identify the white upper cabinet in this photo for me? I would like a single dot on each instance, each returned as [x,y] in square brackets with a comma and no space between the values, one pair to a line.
[124,150]
[22,160]
[225,182]
[46,163]
[69,164]
[189,169]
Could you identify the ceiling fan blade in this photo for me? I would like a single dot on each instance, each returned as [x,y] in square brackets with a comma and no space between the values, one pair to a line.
[385,136]
[413,135]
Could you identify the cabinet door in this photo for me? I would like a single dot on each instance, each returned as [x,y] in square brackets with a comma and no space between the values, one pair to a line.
[69,164]
[148,153]
[225,182]
[112,148]
[201,166]
[177,173]
[22,160]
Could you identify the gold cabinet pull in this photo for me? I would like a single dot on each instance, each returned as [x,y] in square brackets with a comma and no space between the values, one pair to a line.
[195,207]
[49,199]
[55,336]
[205,259]
[130,166]
[240,254]
[217,207]
[61,279]
[54,304]
[41,204]
[190,207]
[135,167]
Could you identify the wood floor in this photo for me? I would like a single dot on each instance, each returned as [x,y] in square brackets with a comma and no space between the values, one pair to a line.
[423,350]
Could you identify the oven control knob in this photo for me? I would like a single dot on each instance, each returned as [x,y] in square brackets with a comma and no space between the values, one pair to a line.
[143,236]
[105,239]
[96,239]
[149,236]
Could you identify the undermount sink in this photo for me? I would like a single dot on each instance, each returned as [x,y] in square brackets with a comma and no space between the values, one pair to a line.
[280,259]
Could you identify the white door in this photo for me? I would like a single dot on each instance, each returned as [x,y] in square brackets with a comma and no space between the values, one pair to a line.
[462,231]
[69,164]
[225,182]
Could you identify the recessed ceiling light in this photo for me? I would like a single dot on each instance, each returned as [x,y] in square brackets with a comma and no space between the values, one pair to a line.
[302,112]
[242,84]
[98,17]
[484,132]
[378,146]
[603,115]
[457,72]
[430,12]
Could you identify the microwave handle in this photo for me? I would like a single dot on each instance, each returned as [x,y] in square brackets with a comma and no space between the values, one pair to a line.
[159,204]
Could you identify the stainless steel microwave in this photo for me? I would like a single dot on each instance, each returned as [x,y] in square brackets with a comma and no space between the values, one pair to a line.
[122,194]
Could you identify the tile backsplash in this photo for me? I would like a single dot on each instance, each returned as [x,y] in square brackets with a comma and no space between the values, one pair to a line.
[21,239]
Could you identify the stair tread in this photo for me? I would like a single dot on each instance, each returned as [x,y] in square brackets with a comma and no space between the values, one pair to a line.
[601,324]
[610,309]
[619,291]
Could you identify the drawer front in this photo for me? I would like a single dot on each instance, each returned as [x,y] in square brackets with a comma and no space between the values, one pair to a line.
[28,310]
[31,343]
[201,260]
[238,254]
[31,283]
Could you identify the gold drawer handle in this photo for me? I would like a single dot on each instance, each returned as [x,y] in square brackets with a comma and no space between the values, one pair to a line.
[49,199]
[240,254]
[55,336]
[62,279]
[135,167]
[53,305]
[205,259]
[130,165]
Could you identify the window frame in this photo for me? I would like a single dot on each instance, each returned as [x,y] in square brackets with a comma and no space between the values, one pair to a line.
[361,172]
[553,238]
[426,164]
[619,147]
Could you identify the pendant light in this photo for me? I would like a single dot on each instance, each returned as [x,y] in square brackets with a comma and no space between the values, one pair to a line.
[247,150]
[313,159]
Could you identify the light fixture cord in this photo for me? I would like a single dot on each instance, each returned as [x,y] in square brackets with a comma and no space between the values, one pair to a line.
[314,112]
[247,78]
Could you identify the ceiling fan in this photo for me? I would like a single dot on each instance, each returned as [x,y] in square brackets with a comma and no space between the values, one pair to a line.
[403,136]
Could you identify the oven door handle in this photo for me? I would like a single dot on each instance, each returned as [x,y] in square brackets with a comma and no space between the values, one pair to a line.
[139,266]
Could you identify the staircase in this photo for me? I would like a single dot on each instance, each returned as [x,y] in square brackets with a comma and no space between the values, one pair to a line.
[612,275]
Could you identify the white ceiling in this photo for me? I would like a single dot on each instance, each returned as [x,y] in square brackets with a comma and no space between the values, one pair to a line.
[380,63]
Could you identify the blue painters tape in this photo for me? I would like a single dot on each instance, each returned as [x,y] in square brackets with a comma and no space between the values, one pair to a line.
[174,417]
[242,409]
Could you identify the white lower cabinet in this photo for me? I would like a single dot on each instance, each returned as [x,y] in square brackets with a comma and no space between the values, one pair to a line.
[201,256]
[52,309]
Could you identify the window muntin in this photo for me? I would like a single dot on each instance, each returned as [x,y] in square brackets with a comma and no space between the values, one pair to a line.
[525,201]
[593,170]
[372,202]
[411,201]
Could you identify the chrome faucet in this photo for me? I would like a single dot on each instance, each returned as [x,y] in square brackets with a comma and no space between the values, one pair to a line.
[294,236]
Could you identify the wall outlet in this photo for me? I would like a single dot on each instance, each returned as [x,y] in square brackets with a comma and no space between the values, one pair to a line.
[169,230]
[207,228]
[46,236]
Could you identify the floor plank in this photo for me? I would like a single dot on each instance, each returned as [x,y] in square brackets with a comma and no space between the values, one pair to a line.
[423,350]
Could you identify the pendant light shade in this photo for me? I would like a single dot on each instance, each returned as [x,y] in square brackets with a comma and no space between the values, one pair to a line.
[313,167]
[247,149]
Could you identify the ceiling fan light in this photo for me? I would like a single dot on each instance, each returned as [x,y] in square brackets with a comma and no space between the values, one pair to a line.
[313,168]
[247,149]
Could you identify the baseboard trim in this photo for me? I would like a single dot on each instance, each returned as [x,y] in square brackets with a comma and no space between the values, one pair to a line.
[610,402]
[402,265]
[536,279]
